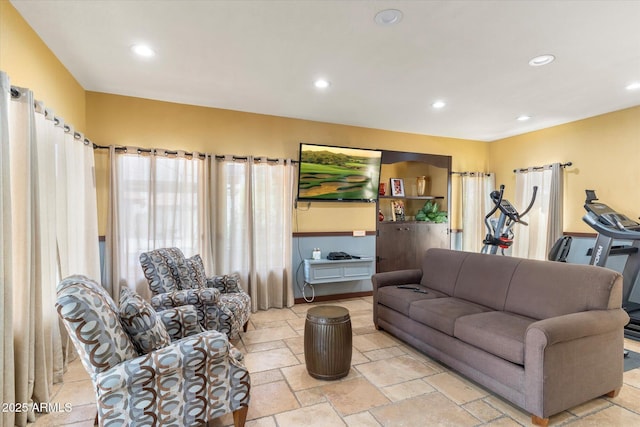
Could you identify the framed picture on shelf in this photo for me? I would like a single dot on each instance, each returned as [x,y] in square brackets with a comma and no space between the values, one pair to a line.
[397,187]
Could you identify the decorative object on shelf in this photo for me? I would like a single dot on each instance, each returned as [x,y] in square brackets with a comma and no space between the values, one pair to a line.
[381,189]
[431,212]
[397,210]
[423,184]
[380,215]
[316,253]
[397,187]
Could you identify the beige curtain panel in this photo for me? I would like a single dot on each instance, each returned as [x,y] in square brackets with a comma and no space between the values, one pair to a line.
[49,227]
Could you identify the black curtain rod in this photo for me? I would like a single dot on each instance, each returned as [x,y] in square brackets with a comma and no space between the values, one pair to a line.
[472,173]
[535,168]
[173,152]
[15,94]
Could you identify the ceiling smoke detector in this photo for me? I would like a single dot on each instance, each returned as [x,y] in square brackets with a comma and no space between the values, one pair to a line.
[388,17]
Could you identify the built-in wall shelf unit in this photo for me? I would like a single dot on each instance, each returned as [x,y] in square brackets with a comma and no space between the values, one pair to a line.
[410,185]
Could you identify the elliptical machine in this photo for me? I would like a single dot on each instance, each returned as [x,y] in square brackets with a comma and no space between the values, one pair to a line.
[500,231]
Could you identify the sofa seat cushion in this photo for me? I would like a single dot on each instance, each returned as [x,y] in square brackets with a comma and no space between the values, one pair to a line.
[442,313]
[400,299]
[498,332]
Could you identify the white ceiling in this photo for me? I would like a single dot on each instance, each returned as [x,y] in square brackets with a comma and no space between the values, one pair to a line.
[263,56]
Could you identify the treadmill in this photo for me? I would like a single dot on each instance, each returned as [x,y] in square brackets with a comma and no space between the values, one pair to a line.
[611,226]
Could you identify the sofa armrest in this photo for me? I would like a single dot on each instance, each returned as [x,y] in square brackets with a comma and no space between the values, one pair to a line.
[186,354]
[186,383]
[399,277]
[575,325]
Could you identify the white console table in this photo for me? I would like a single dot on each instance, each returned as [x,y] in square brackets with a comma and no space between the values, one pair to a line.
[342,270]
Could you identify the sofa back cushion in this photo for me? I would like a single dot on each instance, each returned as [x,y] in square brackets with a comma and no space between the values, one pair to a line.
[484,279]
[440,269]
[543,289]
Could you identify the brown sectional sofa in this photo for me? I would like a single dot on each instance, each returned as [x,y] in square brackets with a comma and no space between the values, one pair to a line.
[546,336]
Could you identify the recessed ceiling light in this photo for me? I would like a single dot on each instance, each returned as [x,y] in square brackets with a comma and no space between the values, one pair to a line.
[523,118]
[633,86]
[388,17]
[438,104]
[143,50]
[541,60]
[321,84]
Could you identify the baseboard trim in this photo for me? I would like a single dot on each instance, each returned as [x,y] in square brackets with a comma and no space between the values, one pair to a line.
[322,298]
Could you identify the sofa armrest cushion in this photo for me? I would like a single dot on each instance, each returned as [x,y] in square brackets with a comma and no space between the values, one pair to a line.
[399,277]
[575,325]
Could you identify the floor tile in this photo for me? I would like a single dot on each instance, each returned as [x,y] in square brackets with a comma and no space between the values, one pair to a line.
[353,396]
[363,419]
[373,341]
[76,393]
[629,397]
[396,370]
[384,353]
[432,409]
[407,390]
[262,422]
[321,415]
[299,379]
[612,416]
[264,377]
[483,411]
[270,399]
[269,334]
[311,396]
[273,315]
[270,359]
[296,345]
[455,388]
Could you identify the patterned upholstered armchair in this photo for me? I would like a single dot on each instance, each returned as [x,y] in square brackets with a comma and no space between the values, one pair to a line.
[174,281]
[151,368]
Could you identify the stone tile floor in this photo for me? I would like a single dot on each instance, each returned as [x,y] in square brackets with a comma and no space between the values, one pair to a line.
[390,384]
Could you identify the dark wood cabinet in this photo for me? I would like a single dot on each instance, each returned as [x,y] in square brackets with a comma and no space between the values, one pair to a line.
[400,244]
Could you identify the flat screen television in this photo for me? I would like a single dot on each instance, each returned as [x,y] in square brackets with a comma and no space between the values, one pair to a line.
[328,173]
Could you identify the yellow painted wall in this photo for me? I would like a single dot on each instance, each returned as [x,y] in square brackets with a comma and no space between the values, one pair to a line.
[605,151]
[121,120]
[29,63]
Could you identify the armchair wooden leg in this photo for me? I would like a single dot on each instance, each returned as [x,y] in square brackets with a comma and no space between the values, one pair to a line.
[95,422]
[613,393]
[544,422]
[245,326]
[240,416]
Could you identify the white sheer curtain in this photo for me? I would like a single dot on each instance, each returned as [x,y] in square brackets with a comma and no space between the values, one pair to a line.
[251,217]
[545,218]
[235,212]
[7,367]
[31,247]
[272,200]
[476,203]
[157,200]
